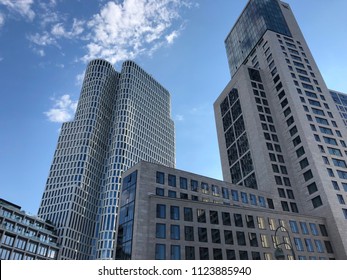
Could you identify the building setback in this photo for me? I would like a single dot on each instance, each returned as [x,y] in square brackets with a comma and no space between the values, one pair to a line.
[278,127]
[181,215]
[25,237]
[120,119]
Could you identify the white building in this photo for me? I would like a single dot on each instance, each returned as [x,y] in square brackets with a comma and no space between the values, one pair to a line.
[121,118]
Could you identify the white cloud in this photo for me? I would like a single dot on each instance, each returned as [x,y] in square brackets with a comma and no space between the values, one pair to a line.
[79,78]
[58,29]
[179,118]
[2,20]
[63,109]
[125,30]
[171,37]
[44,39]
[23,7]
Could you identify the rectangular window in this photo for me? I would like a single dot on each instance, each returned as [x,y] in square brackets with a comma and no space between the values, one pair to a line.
[160,178]
[175,252]
[298,244]
[225,193]
[188,214]
[201,215]
[172,180]
[175,232]
[190,253]
[241,239]
[202,234]
[215,234]
[161,211]
[319,246]
[238,220]
[293,226]
[250,221]
[261,223]
[189,233]
[304,228]
[183,183]
[203,251]
[160,231]
[174,213]
[316,201]
[160,252]
[226,219]
[214,217]
[194,185]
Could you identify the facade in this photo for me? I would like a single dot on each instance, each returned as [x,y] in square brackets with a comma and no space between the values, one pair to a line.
[340,100]
[121,118]
[181,215]
[25,237]
[278,128]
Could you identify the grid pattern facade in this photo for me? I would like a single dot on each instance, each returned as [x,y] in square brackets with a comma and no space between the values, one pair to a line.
[25,237]
[340,100]
[257,17]
[180,215]
[310,135]
[120,119]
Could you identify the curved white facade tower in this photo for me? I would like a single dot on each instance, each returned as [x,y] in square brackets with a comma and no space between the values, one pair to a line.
[121,118]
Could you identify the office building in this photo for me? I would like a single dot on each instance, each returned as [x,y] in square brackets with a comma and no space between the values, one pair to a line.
[340,100]
[121,118]
[24,236]
[181,215]
[278,128]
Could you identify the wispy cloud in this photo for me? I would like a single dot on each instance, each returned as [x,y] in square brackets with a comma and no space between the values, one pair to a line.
[79,78]
[63,109]
[2,20]
[119,30]
[23,7]
[179,118]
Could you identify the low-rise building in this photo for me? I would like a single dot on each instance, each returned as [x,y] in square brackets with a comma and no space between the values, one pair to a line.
[25,237]
[167,213]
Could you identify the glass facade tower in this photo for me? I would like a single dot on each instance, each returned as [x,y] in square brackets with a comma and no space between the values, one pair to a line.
[121,118]
[278,127]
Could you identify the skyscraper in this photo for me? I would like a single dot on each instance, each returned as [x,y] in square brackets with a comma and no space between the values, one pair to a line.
[278,128]
[120,119]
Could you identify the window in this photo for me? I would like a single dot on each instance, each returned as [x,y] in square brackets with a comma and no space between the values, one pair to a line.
[172,180]
[204,188]
[319,246]
[244,197]
[215,190]
[340,199]
[264,241]
[175,252]
[309,245]
[228,237]
[189,233]
[217,254]
[214,217]
[160,178]
[314,229]
[203,253]
[161,211]
[241,239]
[183,183]
[293,226]
[235,195]
[194,185]
[317,201]
[174,213]
[225,193]
[328,247]
[304,228]
[215,235]
[261,223]
[253,199]
[308,175]
[160,252]
[190,253]
[201,215]
[160,231]
[312,188]
[329,140]
[171,194]
[298,244]
[188,214]
[238,220]
[175,232]
[226,219]
[202,234]
[253,241]
[159,191]
[250,221]
[304,163]
[300,152]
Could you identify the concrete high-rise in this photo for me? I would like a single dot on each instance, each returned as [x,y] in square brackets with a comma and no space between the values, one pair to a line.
[121,118]
[278,128]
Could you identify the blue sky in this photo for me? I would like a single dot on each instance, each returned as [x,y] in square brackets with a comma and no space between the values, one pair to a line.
[45,45]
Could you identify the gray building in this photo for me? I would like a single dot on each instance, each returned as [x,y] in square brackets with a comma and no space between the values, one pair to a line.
[340,100]
[24,236]
[121,118]
[166,213]
[279,130]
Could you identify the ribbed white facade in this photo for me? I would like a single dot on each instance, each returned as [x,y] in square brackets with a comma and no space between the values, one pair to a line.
[121,118]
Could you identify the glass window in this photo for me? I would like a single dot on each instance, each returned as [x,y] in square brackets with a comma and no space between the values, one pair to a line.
[160,178]
[319,246]
[161,211]
[160,231]
[203,251]
[201,214]
[194,185]
[189,233]
[238,220]
[190,253]
[225,193]
[215,235]
[183,183]
[294,226]
[175,252]
[235,195]
[174,213]
[217,254]
[160,252]
[171,194]
[214,217]
[298,244]
[172,180]
[228,237]
[241,239]
[231,254]
[309,245]
[202,234]
[188,214]
[244,197]
[159,191]
[175,232]
[250,221]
